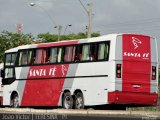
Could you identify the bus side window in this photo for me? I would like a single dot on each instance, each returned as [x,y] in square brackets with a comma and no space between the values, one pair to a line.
[88,52]
[103,51]
[79,54]
[40,56]
[59,55]
[75,54]
[92,52]
[69,53]
[24,58]
[85,52]
[107,51]
[53,55]
[30,59]
[8,59]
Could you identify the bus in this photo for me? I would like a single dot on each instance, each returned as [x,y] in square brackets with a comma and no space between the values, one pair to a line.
[110,69]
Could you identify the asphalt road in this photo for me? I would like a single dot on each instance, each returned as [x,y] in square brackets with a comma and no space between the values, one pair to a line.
[6,116]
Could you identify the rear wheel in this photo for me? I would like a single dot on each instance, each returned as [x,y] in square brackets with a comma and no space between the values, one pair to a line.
[15,101]
[79,101]
[67,101]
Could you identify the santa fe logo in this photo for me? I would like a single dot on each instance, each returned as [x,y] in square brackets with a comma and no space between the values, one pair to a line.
[136,42]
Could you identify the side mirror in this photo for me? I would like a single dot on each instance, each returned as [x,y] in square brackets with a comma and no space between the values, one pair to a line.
[2,73]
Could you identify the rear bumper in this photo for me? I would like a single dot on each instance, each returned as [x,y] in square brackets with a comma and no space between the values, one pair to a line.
[132,98]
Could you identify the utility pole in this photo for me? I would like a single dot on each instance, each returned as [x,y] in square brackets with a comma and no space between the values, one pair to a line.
[89,15]
[19,28]
[89,12]
[59,31]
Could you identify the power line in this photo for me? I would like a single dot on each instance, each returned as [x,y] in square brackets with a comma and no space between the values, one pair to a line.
[125,27]
[135,22]
[134,30]
[83,6]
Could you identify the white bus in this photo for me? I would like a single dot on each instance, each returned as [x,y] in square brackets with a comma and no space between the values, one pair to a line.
[110,69]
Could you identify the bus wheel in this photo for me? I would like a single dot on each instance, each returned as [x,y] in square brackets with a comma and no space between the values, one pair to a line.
[67,101]
[79,101]
[15,101]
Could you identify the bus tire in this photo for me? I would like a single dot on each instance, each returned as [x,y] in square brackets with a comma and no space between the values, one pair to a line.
[79,101]
[15,101]
[67,101]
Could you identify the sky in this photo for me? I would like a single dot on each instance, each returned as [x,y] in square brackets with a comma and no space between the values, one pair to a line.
[109,16]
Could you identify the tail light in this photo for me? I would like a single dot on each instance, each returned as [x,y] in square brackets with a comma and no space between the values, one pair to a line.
[153,72]
[118,70]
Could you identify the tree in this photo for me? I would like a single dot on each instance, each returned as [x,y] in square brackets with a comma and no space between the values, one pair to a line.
[9,40]
[47,37]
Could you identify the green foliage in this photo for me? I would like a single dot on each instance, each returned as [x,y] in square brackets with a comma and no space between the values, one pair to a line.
[95,34]
[9,40]
[47,37]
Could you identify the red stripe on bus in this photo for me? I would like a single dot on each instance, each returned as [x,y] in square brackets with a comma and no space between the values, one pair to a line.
[45,92]
[58,43]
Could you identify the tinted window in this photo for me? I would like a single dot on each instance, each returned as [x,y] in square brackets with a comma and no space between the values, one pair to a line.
[59,55]
[9,65]
[10,59]
[69,53]
[25,57]
[9,73]
[87,52]
[39,56]
[103,51]
[97,51]
[54,55]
